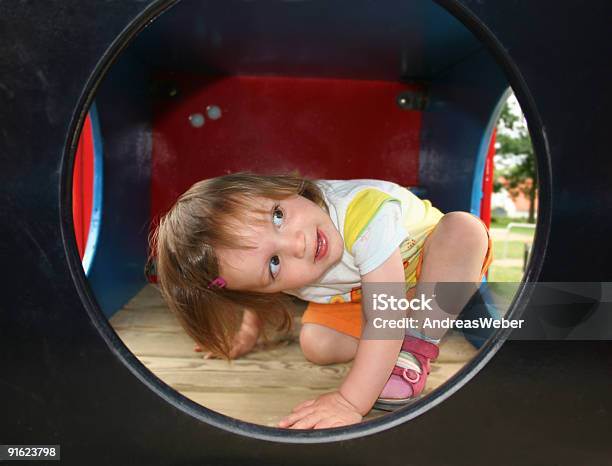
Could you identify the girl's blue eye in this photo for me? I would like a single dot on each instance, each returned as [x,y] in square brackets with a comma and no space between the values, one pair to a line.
[274,266]
[277,216]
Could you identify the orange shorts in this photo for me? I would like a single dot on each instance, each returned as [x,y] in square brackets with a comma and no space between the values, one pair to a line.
[347,317]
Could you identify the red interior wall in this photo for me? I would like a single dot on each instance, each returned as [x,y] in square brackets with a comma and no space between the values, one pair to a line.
[82,186]
[324,128]
[487,182]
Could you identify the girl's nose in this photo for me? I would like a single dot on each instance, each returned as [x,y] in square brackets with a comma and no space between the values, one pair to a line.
[296,244]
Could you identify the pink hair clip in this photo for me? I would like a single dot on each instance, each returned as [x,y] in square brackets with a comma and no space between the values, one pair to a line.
[217,283]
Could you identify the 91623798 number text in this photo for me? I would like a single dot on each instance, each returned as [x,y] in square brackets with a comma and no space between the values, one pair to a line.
[32,452]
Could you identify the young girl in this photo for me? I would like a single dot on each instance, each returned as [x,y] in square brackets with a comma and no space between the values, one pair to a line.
[233,248]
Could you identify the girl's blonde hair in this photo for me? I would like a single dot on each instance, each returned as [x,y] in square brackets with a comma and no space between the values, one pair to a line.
[184,244]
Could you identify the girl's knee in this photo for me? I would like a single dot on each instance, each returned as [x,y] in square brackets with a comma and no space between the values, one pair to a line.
[466,229]
[322,345]
[315,344]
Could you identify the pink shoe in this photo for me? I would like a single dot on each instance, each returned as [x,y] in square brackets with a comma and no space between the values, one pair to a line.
[409,375]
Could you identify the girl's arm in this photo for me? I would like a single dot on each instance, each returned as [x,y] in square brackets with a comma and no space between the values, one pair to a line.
[371,368]
[375,359]
[246,338]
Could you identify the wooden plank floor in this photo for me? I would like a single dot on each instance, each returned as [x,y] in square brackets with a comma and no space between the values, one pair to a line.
[261,387]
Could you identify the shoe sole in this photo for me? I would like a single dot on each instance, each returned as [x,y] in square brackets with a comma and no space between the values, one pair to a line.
[389,404]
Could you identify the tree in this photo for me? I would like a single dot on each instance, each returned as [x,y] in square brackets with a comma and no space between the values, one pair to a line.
[515,152]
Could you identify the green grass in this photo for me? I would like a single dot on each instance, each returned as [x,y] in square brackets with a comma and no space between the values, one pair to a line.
[522,231]
[514,249]
[502,222]
[505,274]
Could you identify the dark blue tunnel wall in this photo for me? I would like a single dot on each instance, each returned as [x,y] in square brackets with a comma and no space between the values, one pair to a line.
[412,40]
[357,39]
[116,270]
[464,105]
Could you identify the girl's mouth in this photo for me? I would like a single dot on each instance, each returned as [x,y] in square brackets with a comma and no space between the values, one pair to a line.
[322,246]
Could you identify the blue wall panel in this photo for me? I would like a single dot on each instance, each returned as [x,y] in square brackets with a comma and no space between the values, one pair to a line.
[116,271]
[464,104]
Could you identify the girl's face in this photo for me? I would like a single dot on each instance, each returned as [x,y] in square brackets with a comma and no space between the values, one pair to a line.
[294,243]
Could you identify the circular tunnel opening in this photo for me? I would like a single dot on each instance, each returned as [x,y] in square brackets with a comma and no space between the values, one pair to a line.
[404,93]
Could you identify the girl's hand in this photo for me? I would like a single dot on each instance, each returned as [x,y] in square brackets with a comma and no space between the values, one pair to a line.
[328,410]
[207,354]
[244,340]
[242,344]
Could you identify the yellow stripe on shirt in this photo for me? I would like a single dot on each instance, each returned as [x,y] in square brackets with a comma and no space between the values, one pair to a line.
[360,213]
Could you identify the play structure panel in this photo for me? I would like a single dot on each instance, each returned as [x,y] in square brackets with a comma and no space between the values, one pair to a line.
[402,90]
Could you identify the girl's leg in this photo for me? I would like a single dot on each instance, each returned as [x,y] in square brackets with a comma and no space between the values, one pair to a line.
[323,345]
[454,252]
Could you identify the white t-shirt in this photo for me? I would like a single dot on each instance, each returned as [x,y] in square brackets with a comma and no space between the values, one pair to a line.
[374,227]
